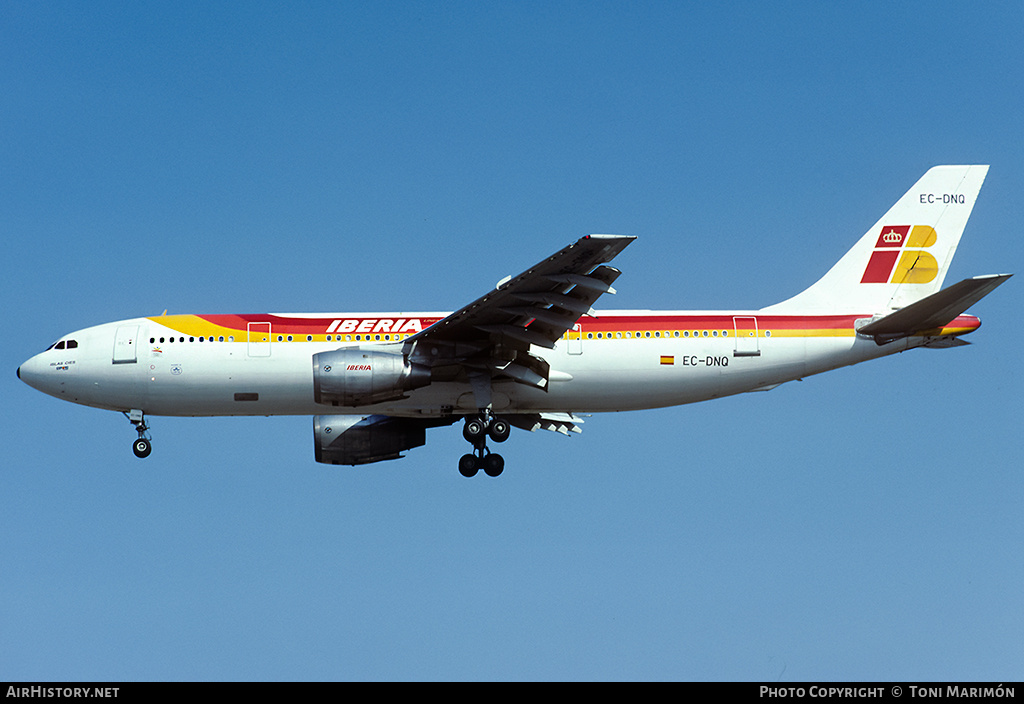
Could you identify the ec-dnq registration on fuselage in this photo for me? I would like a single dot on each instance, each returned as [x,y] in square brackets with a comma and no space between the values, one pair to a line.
[532,353]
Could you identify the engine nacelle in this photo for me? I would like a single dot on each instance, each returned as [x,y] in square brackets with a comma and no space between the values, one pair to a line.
[364,439]
[358,377]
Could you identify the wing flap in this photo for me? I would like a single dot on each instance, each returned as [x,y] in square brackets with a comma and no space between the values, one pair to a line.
[563,423]
[522,334]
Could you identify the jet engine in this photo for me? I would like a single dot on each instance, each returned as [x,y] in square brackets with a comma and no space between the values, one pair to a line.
[359,377]
[364,439]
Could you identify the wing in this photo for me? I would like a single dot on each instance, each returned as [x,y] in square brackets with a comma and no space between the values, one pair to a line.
[491,337]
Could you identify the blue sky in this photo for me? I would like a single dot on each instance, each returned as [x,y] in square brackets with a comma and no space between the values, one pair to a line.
[223,157]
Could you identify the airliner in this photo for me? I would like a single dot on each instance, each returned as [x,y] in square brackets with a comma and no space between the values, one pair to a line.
[532,353]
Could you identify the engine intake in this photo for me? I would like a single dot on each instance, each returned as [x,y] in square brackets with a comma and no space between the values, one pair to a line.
[359,377]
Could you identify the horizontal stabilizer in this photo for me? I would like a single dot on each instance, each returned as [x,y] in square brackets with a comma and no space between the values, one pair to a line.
[936,310]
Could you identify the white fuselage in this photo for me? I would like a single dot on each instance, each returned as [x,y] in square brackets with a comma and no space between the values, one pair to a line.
[616,361]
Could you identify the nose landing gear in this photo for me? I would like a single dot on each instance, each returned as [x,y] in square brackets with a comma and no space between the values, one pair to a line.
[476,431]
[143,445]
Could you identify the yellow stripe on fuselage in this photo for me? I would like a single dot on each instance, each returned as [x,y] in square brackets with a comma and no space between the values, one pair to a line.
[194,326]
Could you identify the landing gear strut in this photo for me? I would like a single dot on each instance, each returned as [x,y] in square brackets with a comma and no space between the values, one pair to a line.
[476,431]
[142,446]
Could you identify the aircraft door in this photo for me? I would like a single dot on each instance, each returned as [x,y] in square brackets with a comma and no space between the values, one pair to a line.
[747,343]
[575,340]
[126,342]
[259,339]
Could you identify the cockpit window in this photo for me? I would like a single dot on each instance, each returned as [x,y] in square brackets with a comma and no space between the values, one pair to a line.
[60,345]
[72,344]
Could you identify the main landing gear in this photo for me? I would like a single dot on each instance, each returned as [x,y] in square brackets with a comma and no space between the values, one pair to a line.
[476,431]
[142,446]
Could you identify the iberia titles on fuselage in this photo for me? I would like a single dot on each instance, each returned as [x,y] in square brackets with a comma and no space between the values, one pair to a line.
[532,353]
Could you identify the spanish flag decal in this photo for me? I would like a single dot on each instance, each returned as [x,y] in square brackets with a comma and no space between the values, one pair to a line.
[666,359]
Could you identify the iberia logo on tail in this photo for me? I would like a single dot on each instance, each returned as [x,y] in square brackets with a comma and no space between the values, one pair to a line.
[899,257]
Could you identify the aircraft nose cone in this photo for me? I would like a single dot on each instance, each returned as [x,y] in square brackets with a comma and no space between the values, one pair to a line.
[31,372]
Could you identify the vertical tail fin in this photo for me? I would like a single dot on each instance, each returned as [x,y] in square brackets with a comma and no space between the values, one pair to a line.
[905,256]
